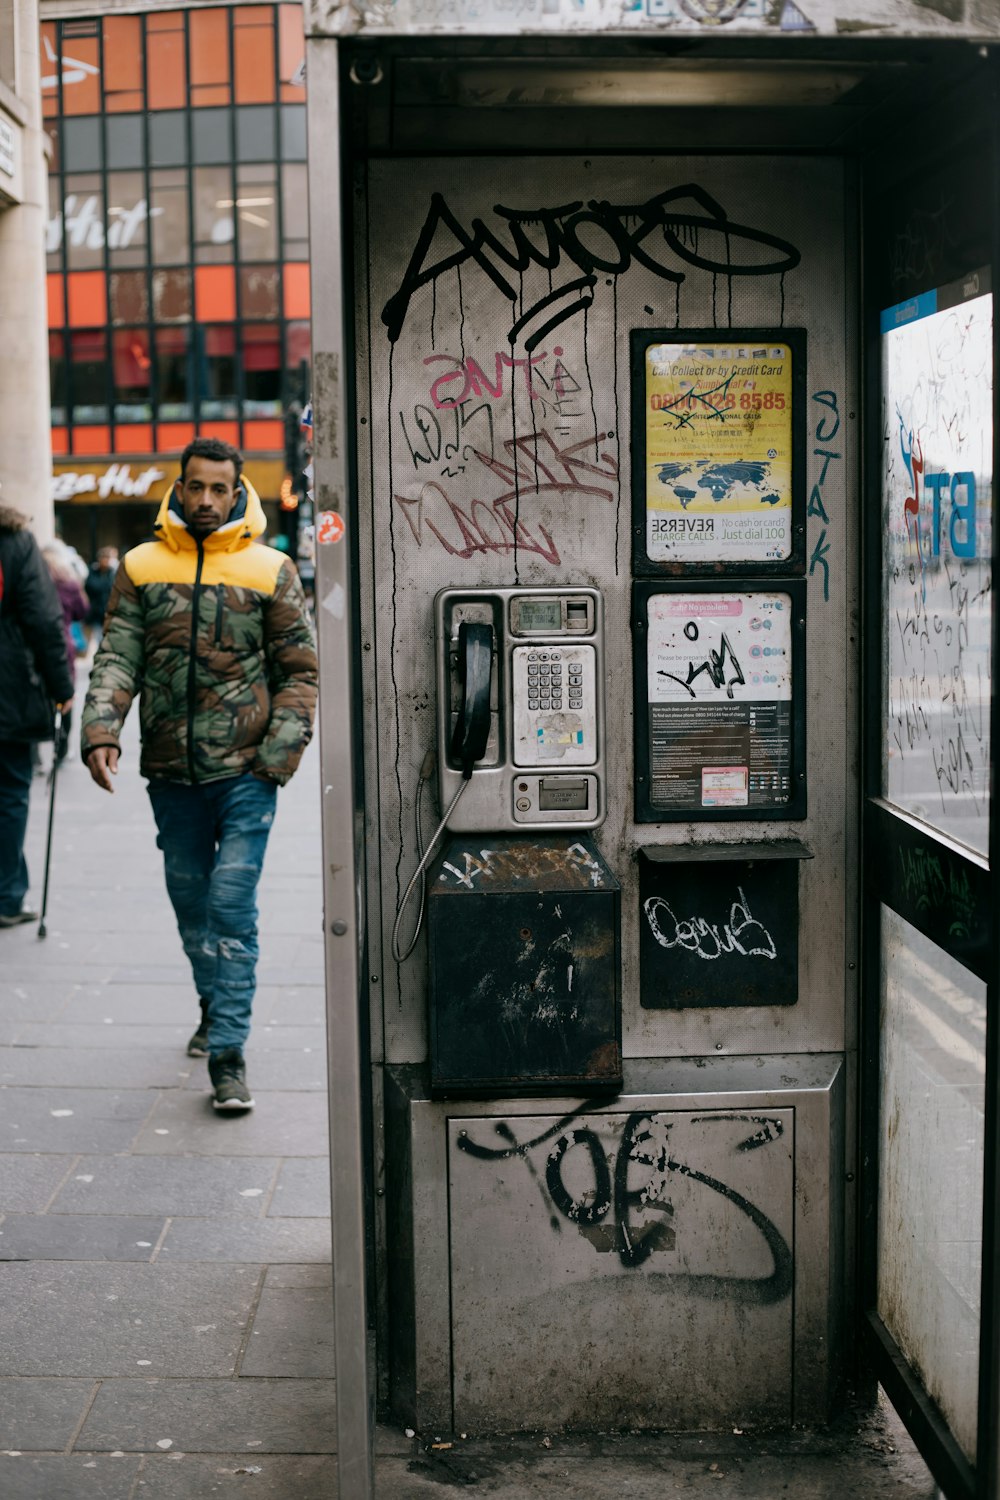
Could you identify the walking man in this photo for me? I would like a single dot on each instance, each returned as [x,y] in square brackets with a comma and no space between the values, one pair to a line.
[213,633]
[34,674]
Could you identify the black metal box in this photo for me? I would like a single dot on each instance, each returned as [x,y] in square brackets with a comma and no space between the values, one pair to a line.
[523,941]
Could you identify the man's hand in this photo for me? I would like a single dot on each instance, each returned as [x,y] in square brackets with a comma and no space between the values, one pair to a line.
[103,764]
[64,708]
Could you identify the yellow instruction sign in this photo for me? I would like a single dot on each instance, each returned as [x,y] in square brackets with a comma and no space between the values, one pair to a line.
[718,432]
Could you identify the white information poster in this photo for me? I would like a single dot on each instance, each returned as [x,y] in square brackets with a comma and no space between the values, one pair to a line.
[719,671]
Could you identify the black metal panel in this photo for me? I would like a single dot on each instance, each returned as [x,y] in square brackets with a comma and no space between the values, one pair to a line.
[523,941]
[920,1415]
[942,891]
[723,932]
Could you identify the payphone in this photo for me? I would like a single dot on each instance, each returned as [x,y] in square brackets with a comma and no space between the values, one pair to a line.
[520,717]
[520,682]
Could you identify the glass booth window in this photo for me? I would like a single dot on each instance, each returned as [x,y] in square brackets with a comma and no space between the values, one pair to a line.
[175,400]
[132,368]
[933,1072]
[937,481]
[88,356]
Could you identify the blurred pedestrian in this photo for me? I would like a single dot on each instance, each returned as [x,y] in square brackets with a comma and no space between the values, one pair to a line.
[99,583]
[73,602]
[212,631]
[34,675]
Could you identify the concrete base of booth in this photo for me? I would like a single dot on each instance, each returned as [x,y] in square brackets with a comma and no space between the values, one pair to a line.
[670,1258]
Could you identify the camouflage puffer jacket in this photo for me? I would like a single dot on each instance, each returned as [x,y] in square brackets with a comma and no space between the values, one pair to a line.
[215,637]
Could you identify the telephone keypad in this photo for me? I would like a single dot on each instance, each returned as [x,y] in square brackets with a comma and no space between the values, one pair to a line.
[556,722]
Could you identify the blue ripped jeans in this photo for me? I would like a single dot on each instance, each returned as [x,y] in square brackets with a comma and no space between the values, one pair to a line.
[213,838]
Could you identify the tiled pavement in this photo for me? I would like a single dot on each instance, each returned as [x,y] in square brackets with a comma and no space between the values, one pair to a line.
[165,1303]
[165,1300]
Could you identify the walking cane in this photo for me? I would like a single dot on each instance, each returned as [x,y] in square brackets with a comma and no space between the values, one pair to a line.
[57,726]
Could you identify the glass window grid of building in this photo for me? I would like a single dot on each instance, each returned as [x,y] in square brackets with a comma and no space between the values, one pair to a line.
[178,233]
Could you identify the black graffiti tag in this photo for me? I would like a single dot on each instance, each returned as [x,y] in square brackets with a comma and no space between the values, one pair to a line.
[607,1205]
[596,236]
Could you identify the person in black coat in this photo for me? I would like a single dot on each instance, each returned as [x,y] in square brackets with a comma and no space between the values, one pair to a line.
[34,675]
[99,583]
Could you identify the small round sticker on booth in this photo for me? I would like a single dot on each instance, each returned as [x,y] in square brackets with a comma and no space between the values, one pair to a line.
[329,527]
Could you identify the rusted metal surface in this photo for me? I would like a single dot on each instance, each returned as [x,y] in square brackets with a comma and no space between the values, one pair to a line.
[961,19]
[667,1258]
[523,938]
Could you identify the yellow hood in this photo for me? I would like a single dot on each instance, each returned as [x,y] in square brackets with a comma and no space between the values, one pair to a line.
[246,522]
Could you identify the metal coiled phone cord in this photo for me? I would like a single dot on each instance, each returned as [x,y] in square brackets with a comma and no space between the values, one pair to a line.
[426,772]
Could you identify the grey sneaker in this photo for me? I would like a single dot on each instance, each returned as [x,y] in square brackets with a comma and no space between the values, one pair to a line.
[198,1045]
[15,918]
[228,1073]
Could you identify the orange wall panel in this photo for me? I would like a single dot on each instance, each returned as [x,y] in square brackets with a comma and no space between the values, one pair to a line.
[166,84]
[173,437]
[293,47]
[123,62]
[209,31]
[50,70]
[81,83]
[263,436]
[134,437]
[296,289]
[92,440]
[253,64]
[88,303]
[214,294]
[226,432]
[56,299]
[60,440]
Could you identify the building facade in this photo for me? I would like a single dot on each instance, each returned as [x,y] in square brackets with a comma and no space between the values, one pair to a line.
[25,455]
[177,252]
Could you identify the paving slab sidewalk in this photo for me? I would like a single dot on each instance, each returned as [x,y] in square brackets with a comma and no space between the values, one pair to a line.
[165,1305]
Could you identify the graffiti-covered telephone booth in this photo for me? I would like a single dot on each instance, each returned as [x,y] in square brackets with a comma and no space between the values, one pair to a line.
[654,444]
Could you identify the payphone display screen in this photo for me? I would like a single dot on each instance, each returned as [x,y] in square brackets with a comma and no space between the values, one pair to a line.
[719,685]
[539,615]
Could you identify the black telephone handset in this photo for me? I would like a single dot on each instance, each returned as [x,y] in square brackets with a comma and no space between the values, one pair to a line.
[475,664]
